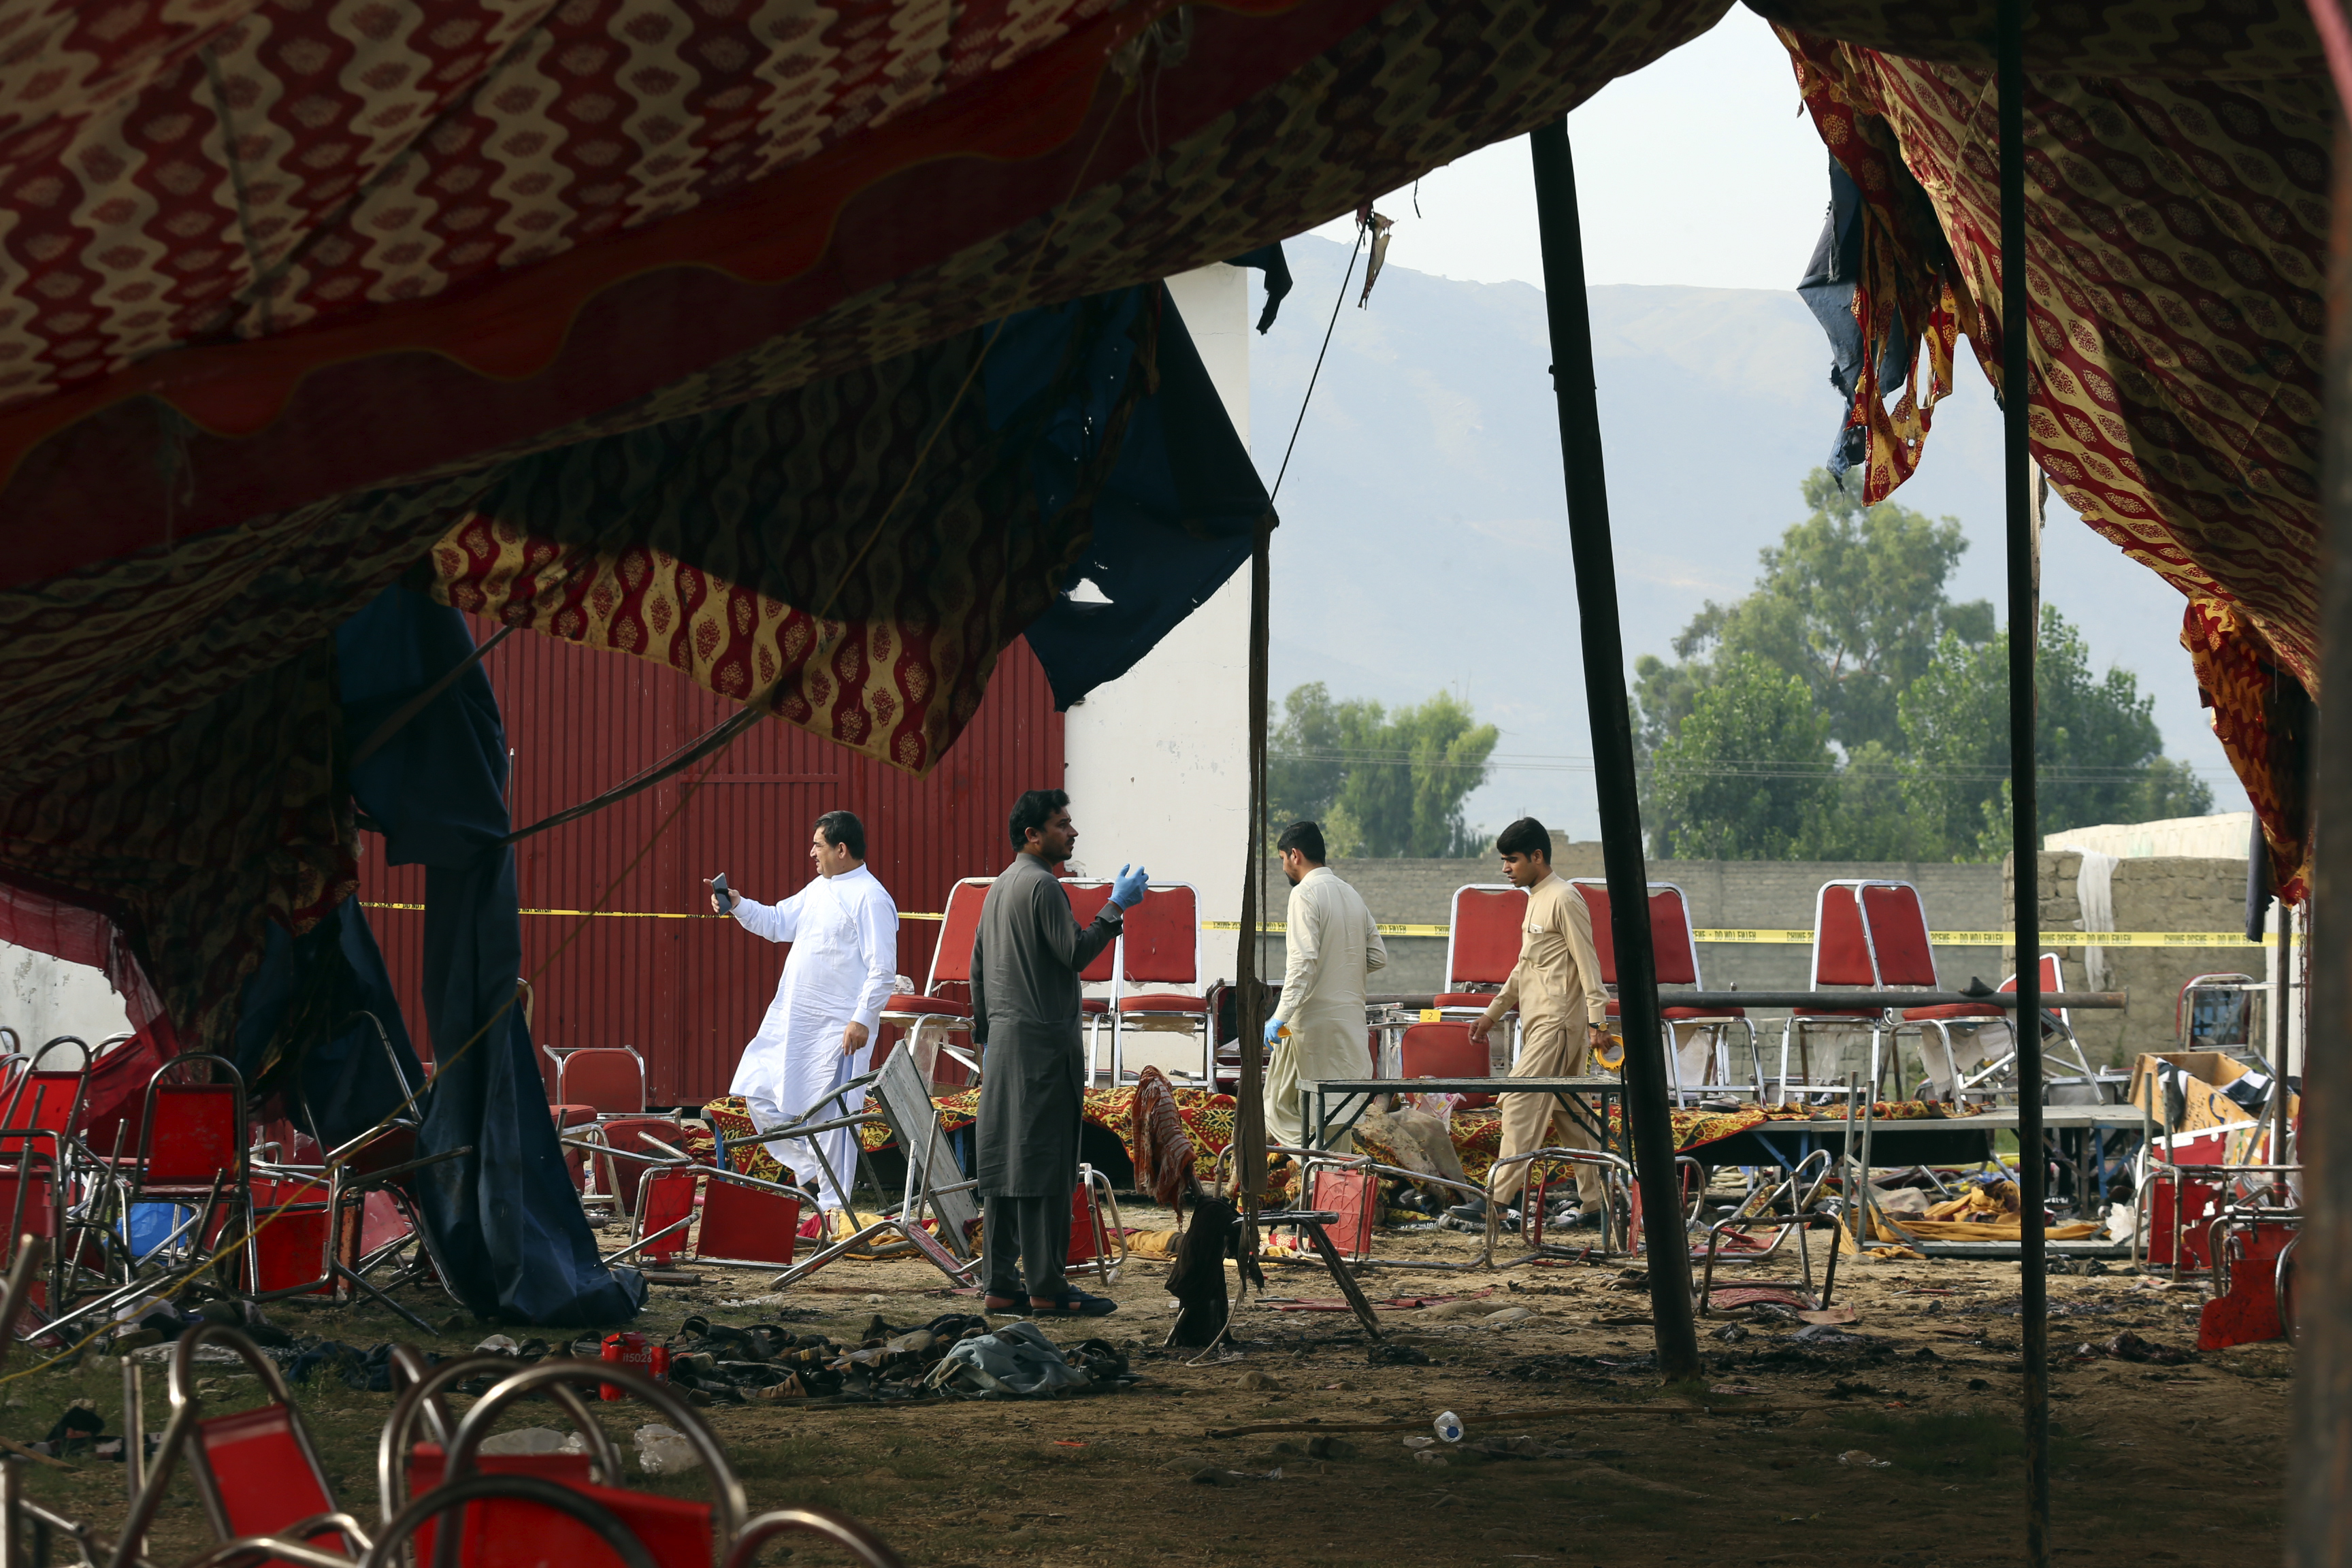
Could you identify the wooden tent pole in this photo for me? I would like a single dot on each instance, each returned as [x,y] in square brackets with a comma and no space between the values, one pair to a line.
[1646,1114]
[2017,479]
[2319,1485]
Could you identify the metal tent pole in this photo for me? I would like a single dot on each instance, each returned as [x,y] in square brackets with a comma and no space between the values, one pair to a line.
[1612,750]
[2320,1479]
[2017,477]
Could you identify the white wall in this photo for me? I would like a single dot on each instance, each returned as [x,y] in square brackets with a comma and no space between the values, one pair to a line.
[42,997]
[1158,759]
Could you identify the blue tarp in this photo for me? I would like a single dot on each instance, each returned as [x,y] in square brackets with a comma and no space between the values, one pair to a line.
[505,1219]
[307,997]
[1181,510]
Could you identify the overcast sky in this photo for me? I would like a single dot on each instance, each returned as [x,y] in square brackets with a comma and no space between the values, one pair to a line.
[1702,169]
[1698,170]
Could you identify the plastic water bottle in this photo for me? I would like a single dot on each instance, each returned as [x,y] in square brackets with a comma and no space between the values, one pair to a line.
[1449,1425]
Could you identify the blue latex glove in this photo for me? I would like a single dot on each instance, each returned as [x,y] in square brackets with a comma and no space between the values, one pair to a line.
[1127,888]
[1273,1028]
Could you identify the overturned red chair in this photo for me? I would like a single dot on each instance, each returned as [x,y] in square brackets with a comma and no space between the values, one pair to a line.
[256,1471]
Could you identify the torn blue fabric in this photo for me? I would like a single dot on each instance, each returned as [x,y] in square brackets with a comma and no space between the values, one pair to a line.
[311,1000]
[505,1220]
[1268,259]
[1178,514]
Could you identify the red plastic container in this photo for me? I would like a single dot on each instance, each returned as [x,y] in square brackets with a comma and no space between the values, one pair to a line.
[630,1348]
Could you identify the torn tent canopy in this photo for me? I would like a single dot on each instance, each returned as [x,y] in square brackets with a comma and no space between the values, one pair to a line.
[853,554]
[1827,291]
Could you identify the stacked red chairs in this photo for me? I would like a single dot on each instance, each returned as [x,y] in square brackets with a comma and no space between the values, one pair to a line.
[266,1494]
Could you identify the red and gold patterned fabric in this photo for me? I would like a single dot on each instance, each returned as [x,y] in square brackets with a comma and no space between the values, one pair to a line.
[2177,208]
[730,1119]
[281,251]
[2265,724]
[855,553]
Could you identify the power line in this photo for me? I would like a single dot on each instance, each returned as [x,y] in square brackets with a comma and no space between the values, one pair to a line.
[1729,767]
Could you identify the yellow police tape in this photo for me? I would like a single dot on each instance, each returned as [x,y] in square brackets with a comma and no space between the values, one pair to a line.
[1788,937]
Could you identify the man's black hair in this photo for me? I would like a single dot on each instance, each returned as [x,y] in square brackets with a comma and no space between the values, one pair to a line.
[1034,810]
[844,831]
[1525,836]
[1304,836]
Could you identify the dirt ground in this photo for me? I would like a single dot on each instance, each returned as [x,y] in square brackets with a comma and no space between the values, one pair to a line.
[2161,1464]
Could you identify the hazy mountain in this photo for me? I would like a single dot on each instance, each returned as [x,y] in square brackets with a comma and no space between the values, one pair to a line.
[1423,538]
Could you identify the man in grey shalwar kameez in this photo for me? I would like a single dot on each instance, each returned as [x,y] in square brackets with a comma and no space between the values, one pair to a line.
[1025,963]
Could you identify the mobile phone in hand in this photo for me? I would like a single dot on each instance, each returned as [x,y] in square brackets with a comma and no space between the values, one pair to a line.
[726,899]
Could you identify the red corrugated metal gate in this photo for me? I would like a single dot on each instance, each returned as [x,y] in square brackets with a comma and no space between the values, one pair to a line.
[661,972]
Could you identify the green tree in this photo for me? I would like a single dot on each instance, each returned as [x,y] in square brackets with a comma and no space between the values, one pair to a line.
[1745,774]
[1381,784]
[2099,755]
[1851,599]
[1868,818]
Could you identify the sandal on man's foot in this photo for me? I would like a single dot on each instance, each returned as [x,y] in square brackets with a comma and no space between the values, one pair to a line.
[1074,1303]
[1004,1306]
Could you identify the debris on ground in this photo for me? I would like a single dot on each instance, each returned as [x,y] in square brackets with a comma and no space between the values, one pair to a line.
[2130,1346]
[664,1450]
[1018,1362]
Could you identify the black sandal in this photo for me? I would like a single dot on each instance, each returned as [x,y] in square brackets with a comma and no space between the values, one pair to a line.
[1076,1303]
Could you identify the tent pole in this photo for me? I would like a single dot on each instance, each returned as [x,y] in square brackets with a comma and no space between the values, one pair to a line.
[2017,479]
[1249,1000]
[2320,1479]
[1646,1115]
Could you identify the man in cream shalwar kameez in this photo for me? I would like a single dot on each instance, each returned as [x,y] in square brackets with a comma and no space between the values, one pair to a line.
[844,931]
[1332,946]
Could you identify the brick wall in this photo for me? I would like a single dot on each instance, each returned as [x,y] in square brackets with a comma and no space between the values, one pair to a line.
[2157,893]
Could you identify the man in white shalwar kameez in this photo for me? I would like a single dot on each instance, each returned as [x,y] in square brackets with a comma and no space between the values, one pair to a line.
[844,931]
[1333,946]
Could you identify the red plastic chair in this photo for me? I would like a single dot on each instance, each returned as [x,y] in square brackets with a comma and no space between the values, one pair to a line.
[745,1221]
[194,1148]
[291,1248]
[1873,935]
[44,1172]
[1675,954]
[1482,947]
[1445,1050]
[1159,944]
[1086,901]
[258,1470]
[677,1533]
[621,1151]
[934,1011]
[609,1079]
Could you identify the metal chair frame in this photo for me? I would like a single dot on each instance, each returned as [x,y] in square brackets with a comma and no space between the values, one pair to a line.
[181,1433]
